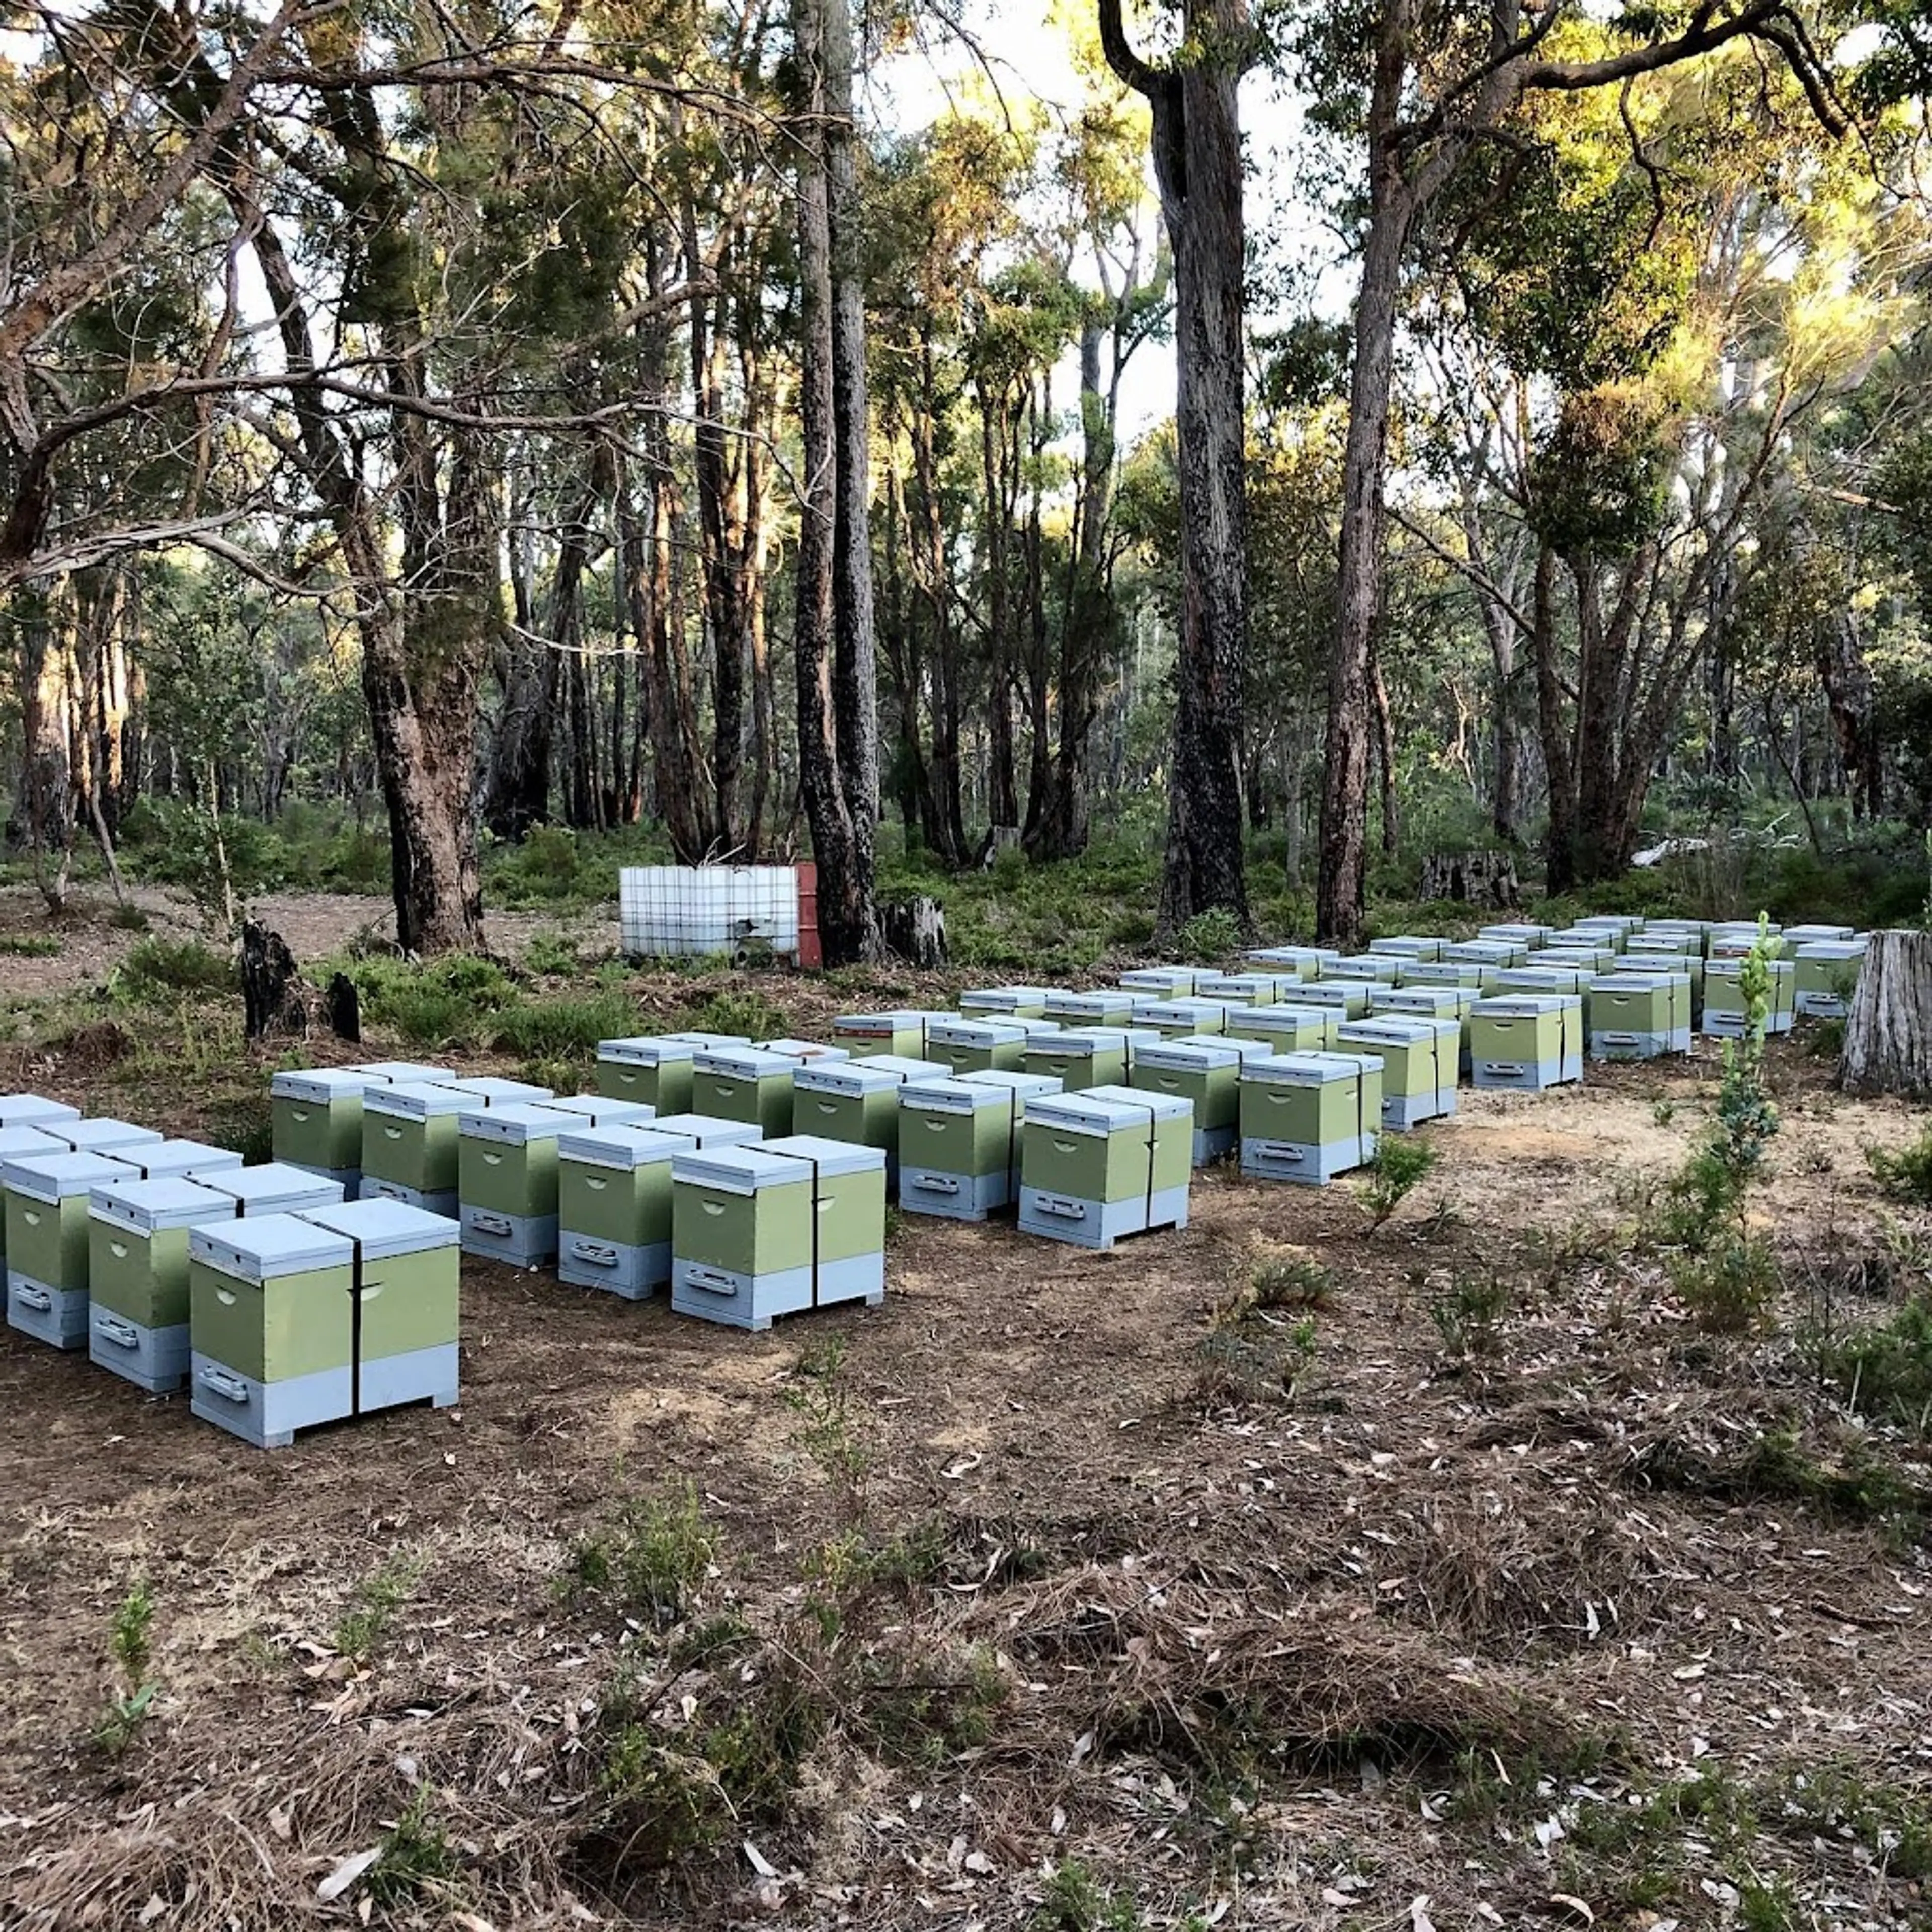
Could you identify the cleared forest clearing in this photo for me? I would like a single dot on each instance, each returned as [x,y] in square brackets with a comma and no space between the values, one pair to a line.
[1470,1583]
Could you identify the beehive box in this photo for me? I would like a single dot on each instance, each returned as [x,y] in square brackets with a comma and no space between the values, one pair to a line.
[316,1120]
[1609,939]
[959,1142]
[137,1234]
[1248,989]
[613,1207]
[1491,955]
[858,1102]
[1108,1162]
[974,1045]
[1686,975]
[1348,998]
[1568,983]
[1429,1003]
[104,1136]
[1807,935]
[409,1143]
[1174,1019]
[1308,1117]
[406,1315]
[1525,933]
[46,1247]
[655,1072]
[1671,944]
[32,1110]
[1724,1014]
[506,1180]
[402,1073]
[1104,1007]
[1461,973]
[1293,1028]
[1378,969]
[758,1232]
[1014,1002]
[276,1187]
[1419,1058]
[802,1052]
[1517,1040]
[172,1160]
[1408,946]
[1084,1057]
[902,1033]
[706,1129]
[1696,930]
[1824,973]
[1206,1073]
[745,1083]
[1623,922]
[1633,1015]
[1162,982]
[1735,942]
[1591,959]
[1305,961]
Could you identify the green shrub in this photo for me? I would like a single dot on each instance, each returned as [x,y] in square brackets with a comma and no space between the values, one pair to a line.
[127,916]
[1210,935]
[28,946]
[1884,1371]
[1401,1164]
[1469,1317]
[442,1003]
[363,1628]
[556,1029]
[1727,1284]
[736,1010]
[246,1127]
[154,967]
[130,1651]
[551,953]
[415,1857]
[1905,1175]
[650,1562]
[1076,1900]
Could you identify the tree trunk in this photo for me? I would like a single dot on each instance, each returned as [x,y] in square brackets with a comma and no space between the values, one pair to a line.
[1889,1031]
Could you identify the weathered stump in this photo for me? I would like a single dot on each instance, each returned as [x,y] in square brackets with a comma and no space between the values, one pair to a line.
[912,925]
[1486,879]
[1888,1031]
[344,1007]
[273,1000]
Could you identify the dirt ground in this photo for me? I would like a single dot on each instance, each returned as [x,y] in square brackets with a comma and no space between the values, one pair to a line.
[1391,1639]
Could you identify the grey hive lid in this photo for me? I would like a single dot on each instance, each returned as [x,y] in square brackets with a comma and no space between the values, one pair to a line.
[422,1100]
[1618,980]
[62,1175]
[149,1206]
[709,1039]
[24,1143]
[383,1229]
[954,1097]
[1833,948]
[849,1078]
[1285,1015]
[1224,986]
[1099,1003]
[797,1050]
[1426,999]
[102,1136]
[1527,1006]
[401,1073]
[897,1020]
[670,1052]
[1807,933]
[1546,978]
[999,998]
[165,1158]
[908,1067]
[831,1157]
[1329,992]
[1184,1012]
[1303,1070]
[597,1110]
[319,1085]
[1393,1028]
[624,1148]
[1177,977]
[738,1170]
[707,1129]
[1027,1086]
[505,1092]
[27,1110]
[1400,943]
[275,1188]
[1656,965]
[744,1062]
[517,1126]
[976,1032]
[1243,1050]
[269,1245]
[1187,1056]
[1105,1110]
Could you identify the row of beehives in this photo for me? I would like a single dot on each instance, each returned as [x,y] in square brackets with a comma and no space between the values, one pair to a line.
[277,1302]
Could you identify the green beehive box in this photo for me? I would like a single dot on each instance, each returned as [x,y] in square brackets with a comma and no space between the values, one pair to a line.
[506,1179]
[1244,989]
[655,1072]
[1472,978]
[1590,938]
[1687,997]
[901,1033]
[1174,1019]
[1419,1056]
[1007,1002]
[1824,974]
[409,1140]
[1431,1003]
[1085,1057]
[974,1045]
[1671,944]
[1306,962]
[761,1231]
[1161,982]
[316,1119]
[1290,1028]
[137,1236]
[31,1110]
[1349,998]
[1206,1073]
[1633,1015]
[1592,960]
[745,1083]
[45,1199]
[613,1207]
[1491,955]
[1542,978]
[1378,969]
[270,1321]
[1109,1161]
[1525,933]
[1809,934]
[23,1144]
[1724,1014]
[959,1142]
[1517,1040]
[1622,922]
[406,1313]
[1308,1117]
[1408,946]
[1103,1007]
[858,1102]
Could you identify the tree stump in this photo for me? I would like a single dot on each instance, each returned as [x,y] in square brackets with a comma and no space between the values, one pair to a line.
[344,1007]
[912,925]
[273,1000]
[1888,1031]
[998,837]
[1485,879]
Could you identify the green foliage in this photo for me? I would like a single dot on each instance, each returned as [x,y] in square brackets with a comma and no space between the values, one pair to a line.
[415,1859]
[1242,1363]
[130,1700]
[1469,1316]
[1905,1175]
[829,1429]
[29,946]
[1400,1165]
[362,1629]
[156,968]
[446,1002]
[127,916]
[1077,1900]
[650,1562]
[1277,1279]
[563,1030]
[1885,1370]
[743,1010]
[1210,935]
[245,1126]
[1727,1284]
[554,954]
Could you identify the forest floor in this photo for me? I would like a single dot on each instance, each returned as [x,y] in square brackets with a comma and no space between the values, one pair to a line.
[1484,1589]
